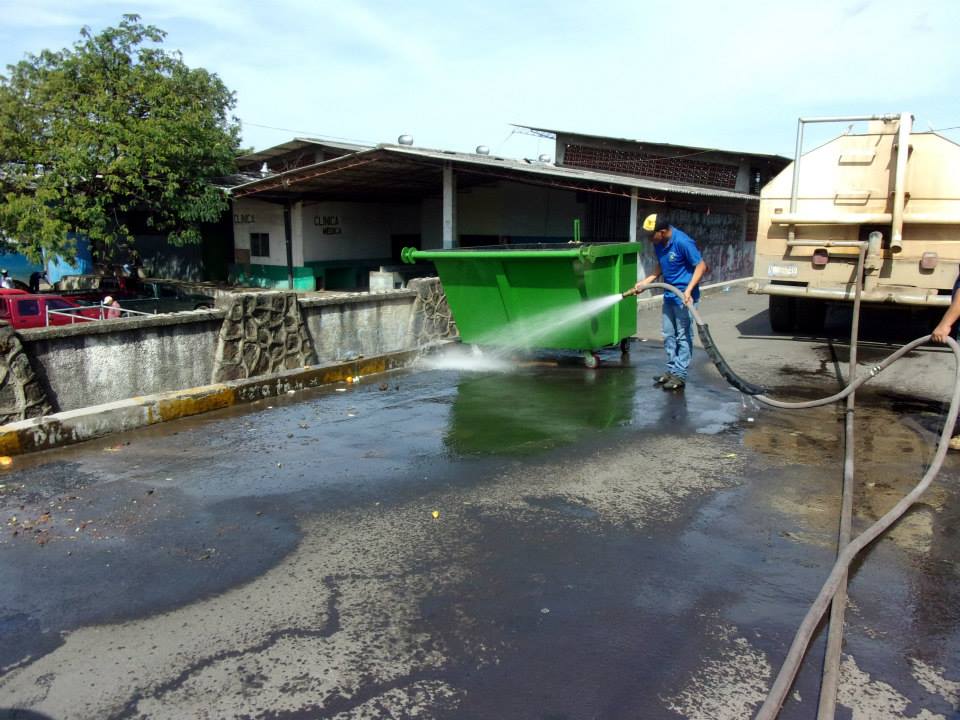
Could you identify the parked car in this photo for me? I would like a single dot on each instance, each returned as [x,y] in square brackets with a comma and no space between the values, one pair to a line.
[93,288]
[23,310]
[161,297]
[148,296]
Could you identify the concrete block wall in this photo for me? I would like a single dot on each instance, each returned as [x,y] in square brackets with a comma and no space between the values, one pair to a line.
[92,363]
[361,325]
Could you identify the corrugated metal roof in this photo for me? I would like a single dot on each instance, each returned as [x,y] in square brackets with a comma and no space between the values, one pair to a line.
[394,158]
[672,146]
[298,144]
[582,174]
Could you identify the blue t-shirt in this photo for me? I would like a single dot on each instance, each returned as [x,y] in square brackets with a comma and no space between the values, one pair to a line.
[678,257]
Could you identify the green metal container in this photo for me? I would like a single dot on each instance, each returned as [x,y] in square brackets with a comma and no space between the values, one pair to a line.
[494,291]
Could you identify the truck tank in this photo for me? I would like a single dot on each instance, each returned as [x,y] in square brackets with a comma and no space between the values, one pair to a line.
[890,191]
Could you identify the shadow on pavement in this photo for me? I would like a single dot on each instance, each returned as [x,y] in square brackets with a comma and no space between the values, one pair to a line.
[890,326]
[14,714]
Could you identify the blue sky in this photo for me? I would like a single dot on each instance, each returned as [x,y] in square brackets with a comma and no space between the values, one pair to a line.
[729,74]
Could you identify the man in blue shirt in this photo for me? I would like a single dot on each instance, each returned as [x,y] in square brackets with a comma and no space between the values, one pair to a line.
[681,265]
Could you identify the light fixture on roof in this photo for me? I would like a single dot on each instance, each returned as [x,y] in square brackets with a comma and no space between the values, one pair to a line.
[544,158]
[483,150]
[405,140]
[264,170]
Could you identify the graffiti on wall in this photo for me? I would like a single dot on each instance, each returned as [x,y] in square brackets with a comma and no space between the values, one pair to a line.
[719,236]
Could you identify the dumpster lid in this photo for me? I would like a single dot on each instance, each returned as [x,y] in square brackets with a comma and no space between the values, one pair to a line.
[586,251]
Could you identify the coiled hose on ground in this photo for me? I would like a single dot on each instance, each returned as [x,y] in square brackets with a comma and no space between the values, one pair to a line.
[791,664]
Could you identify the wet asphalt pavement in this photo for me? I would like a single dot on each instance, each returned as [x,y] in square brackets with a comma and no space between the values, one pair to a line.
[602,550]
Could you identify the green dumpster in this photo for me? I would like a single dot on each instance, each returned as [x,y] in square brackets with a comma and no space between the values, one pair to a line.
[500,294]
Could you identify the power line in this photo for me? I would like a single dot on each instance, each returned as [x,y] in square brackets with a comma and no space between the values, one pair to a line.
[311,133]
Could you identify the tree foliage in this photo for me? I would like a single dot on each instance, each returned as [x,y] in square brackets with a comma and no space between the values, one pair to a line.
[113,128]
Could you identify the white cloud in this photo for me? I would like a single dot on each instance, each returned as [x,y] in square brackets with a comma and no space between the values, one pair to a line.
[700,72]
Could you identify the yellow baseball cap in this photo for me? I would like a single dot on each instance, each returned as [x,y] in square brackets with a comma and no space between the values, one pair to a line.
[651,223]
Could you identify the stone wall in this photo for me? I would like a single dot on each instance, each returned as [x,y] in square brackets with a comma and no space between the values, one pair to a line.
[432,320]
[98,362]
[21,394]
[262,334]
[93,363]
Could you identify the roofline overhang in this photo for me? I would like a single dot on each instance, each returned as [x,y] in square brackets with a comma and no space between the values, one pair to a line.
[531,173]
[555,133]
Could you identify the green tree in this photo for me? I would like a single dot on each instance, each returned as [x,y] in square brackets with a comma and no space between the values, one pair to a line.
[111,129]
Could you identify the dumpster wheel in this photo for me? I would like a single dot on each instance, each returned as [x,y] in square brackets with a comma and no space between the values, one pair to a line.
[591,359]
[625,346]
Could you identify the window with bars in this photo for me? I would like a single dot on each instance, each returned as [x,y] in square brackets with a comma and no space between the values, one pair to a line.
[260,244]
[641,164]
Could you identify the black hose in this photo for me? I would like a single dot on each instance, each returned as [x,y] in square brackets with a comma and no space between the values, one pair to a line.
[726,372]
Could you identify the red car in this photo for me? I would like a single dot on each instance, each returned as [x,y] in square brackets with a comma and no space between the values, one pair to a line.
[23,310]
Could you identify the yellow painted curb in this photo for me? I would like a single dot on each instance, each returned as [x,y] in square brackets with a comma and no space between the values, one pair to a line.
[187,405]
[10,443]
[73,426]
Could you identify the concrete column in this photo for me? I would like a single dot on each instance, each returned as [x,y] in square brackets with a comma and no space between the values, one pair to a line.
[297,227]
[449,207]
[288,239]
[633,230]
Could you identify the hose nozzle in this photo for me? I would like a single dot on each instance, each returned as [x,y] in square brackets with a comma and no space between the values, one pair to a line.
[630,292]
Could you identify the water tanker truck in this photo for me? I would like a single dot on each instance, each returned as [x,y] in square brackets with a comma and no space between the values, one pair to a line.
[884,202]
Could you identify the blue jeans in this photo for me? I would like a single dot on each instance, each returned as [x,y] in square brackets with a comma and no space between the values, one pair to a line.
[677,338]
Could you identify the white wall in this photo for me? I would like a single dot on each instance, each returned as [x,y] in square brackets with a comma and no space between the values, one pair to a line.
[255,216]
[296,234]
[355,230]
[506,209]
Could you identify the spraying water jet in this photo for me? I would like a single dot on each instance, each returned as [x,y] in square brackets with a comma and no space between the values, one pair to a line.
[522,297]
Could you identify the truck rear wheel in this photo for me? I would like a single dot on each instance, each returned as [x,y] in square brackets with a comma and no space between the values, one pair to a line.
[781,313]
[810,315]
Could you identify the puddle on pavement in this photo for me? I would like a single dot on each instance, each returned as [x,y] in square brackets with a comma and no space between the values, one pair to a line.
[894,445]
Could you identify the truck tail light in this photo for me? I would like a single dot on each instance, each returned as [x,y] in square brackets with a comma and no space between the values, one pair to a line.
[821,257]
[928,261]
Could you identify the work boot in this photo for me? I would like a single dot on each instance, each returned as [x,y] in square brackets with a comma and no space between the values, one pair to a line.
[661,379]
[674,383]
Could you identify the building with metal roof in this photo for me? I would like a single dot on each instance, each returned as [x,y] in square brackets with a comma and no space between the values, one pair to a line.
[711,167]
[312,213]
